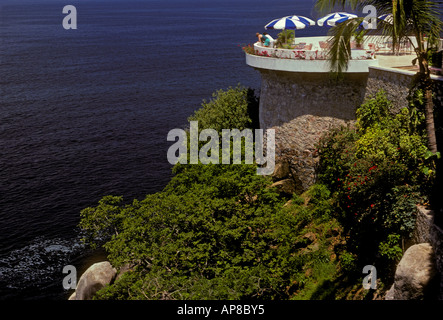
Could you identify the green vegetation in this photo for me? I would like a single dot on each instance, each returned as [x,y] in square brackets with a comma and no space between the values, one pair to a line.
[233,108]
[378,172]
[221,232]
[215,231]
[410,19]
[285,39]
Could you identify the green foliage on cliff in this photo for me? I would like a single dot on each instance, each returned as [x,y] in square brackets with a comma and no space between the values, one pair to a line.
[221,232]
[215,231]
[201,237]
[232,108]
[378,172]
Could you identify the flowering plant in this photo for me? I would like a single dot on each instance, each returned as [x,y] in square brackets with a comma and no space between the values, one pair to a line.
[377,171]
[249,49]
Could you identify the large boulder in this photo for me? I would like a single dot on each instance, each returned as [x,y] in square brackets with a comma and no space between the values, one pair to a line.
[286,186]
[415,275]
[281,171]
[95,278]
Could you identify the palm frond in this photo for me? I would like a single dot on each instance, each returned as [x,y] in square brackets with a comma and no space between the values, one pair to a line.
[425,16]
[325,6]
[410,18]
[339,52]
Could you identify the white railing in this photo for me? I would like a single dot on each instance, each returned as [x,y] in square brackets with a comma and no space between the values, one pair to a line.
[315,48]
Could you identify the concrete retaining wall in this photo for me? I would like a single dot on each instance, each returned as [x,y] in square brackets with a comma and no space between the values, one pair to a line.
[396,83]
[302,106]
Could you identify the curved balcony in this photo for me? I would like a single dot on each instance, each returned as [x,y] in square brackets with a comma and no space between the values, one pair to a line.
[309,55]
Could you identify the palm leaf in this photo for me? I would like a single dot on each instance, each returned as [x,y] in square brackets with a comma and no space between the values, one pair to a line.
[340,44]
[323,6]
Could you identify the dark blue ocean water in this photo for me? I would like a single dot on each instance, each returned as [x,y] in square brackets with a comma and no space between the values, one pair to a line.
[85,113]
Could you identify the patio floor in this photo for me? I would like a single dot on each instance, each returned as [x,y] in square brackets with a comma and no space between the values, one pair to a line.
[403,61]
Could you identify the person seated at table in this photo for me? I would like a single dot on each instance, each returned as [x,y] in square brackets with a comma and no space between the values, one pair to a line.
[263,39]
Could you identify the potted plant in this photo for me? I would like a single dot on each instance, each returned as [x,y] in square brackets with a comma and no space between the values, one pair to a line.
[285,39]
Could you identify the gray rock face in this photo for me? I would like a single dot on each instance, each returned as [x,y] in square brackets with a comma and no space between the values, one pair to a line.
[415,275]
[95,278]
[281,171]
[423,225]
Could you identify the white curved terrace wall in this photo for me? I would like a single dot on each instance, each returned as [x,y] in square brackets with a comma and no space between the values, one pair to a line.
[291,65]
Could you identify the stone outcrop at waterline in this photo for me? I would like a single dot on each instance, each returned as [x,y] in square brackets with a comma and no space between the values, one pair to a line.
[95,278]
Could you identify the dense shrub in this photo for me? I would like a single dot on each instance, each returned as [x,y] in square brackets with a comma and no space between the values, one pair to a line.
[224,235]
[378,172]
[234,108]
[209,234]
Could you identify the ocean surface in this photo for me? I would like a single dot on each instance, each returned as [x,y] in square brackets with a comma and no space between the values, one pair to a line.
[85,113]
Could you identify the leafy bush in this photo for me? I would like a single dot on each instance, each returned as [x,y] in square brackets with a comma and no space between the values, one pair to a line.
[320,202]
[348,262]
[377,172]
[232,108]
[285,38]
[205,230]
[391,248]
[249,49]
[215,232]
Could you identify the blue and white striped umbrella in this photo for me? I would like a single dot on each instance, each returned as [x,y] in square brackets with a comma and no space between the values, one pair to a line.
[336,17]
[334,22]
[388,18]
[290,22]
